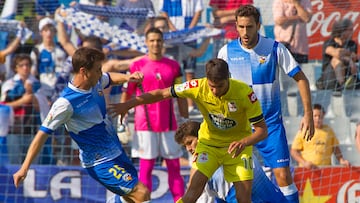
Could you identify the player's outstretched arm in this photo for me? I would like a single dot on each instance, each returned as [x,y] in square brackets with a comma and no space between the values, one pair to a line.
[34,149]
[121,109]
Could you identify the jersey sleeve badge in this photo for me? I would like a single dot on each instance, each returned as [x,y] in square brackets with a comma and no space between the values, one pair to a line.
[252,97]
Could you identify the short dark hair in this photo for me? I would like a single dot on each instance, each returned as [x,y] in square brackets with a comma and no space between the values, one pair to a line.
[319,107]
[95,42]
[217,70]
[189,128]
[20,57]
[340,26]
[154,30]
[86,57]
[248,10]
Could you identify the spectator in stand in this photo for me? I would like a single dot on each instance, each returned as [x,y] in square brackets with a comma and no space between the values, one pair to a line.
[228,106]
[82,109]
[18,92]
[318,151]
[134,24]
[48,59]
[339,66]
[223,12]
[357,137]
[181,15]
[11,48]
[257,60]
[155,124]
[290,18]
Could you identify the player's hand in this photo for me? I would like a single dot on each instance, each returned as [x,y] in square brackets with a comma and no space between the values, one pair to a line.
[307,127]
[19,177]
[119,109]
[345,162]
[136,77]
[236,147]
[309,165]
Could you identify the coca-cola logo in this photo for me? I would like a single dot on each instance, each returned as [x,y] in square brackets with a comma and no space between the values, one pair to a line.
[325,13]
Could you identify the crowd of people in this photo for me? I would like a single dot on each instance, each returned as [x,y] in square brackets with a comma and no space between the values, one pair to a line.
[65,99]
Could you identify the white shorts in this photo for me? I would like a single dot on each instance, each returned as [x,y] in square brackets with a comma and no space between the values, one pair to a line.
[150,145]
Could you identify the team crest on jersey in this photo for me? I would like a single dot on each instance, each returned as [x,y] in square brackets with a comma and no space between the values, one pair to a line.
[101,93]
[203,157]
[252,97]
[127,177]
[48,118]
[262,59]
[232,107]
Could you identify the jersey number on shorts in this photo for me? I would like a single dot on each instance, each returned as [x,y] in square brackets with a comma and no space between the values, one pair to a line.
[117,171]
[248,163]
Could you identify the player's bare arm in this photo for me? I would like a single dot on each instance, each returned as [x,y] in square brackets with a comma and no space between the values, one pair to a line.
[121,109]
[260,133]
[34,149]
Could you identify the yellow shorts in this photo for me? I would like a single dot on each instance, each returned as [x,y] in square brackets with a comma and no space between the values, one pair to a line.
[207,159]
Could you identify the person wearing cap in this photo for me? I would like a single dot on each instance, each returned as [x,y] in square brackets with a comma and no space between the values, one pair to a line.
[48,58]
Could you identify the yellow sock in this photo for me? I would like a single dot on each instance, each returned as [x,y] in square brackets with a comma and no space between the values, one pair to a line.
[179,200]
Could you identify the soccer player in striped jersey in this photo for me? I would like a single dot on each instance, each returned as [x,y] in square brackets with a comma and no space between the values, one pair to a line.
[257,61]
[82,108]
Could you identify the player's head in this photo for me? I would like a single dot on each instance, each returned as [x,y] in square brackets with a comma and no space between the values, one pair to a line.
[154,41]
[92,42]
[187,135]
[217,73]
[247,25]
[318,115]
[161,23]
[342,29]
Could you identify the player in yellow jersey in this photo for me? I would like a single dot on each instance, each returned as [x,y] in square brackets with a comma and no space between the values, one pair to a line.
[229,108]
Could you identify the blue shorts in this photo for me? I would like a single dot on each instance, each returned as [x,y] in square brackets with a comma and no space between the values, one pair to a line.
[118,175]
[274,149]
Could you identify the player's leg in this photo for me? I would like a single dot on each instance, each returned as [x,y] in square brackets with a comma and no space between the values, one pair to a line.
[196,187]
[243,191]
[275,152]
[120,176]
[148,152]
[263,190]
[206,162]
[239,170]
[171,151]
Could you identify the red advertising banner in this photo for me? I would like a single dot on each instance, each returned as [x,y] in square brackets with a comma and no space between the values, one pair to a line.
[328,185]
[325,13]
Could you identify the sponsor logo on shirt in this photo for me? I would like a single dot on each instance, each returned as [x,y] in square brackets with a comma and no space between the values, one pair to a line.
[237,58]
[193,83]
[252,97]
[221,122]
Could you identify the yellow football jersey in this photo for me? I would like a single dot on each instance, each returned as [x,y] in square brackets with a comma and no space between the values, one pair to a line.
[226,119]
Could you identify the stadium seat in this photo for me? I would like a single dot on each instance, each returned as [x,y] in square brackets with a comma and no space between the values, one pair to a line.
[341,127]
[292,126]
[323,97]
[310,70]
[351,101]
[350,153]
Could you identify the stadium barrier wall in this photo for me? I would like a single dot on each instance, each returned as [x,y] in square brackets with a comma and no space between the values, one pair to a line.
[63,184]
